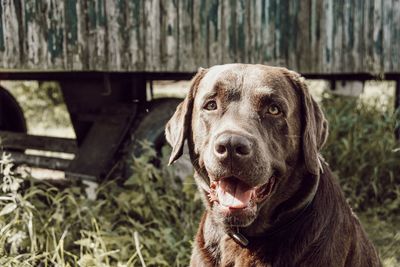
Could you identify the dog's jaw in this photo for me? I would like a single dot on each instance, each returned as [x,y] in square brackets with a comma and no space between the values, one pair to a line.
[231,202]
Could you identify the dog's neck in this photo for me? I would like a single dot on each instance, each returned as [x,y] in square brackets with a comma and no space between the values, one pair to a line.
[282,216]
[287,213]
[238,235]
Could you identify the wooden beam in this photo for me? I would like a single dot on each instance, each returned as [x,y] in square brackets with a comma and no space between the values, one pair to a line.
[40,161]
[102,142]
[21,141]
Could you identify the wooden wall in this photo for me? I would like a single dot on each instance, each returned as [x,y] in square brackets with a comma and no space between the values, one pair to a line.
[310,36]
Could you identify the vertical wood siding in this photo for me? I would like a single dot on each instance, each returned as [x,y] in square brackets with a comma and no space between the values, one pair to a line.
[310,36]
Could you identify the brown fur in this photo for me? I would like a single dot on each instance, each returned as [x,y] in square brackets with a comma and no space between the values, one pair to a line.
[306,220]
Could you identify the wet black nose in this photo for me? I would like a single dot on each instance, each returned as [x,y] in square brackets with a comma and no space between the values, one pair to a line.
[232,145]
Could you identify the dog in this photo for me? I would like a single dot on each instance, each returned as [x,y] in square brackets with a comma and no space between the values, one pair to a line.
[254,135]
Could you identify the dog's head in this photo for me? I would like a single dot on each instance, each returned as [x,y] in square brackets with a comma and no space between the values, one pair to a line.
[254,133]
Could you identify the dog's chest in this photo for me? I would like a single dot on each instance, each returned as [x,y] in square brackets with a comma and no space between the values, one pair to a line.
[222,250]
[233,255]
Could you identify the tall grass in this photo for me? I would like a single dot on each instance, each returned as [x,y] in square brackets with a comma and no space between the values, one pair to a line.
[150,218]
[146,220]
[364,153]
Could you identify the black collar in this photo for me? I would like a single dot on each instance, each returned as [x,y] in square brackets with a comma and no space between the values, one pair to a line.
[240,239]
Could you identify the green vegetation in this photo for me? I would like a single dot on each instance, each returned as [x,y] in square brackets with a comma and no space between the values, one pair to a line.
[365,156]
[152,216]
[150,219]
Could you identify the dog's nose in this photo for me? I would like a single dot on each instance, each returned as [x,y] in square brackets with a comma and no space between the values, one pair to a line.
[232,145]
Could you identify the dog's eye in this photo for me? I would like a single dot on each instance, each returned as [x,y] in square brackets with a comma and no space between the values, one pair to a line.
[211,105]
[274,110]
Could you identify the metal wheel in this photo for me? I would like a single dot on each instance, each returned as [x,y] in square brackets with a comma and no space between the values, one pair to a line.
[11,115]
[151,127]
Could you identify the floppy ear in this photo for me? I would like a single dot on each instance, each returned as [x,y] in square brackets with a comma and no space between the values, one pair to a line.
[315,126]
[177,128]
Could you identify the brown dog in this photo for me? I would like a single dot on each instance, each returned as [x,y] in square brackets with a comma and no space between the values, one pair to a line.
[254,135]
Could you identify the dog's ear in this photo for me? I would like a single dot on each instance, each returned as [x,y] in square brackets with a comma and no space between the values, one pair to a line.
[315,126]
[177,128]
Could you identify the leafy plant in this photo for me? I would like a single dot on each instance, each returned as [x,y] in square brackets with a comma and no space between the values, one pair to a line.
[363,151]
[148,220]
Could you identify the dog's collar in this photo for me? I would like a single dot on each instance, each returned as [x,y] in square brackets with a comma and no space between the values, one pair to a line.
[238,237]
[243,241]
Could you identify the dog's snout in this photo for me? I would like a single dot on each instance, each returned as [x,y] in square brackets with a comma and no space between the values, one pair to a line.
[232,145]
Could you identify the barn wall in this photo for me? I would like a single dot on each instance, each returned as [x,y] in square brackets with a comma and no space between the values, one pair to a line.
[310,36]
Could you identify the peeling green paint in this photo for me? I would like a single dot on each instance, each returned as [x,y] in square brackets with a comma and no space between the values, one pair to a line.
[136,15]
[272,20]
[121,18]
[328,54]
[349,36]
[101,13]
[71,19]
[232,29]
[378,43]
[263,19]
[55,34]
[213,16]
[203,18]
[241,40]
[92,14]
[30,12]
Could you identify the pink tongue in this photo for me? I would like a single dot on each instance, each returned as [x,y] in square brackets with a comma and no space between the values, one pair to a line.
[233,193]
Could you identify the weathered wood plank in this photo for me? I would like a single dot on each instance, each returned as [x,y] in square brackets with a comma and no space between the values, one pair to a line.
[377,40]
[40,161]
[310,36]
[316,36]
[152,35]
[337,59]
[169,34]
[186,35]
[255,21]
[13,140]
[268,32]
[327,43]
[116,34]
[395,37]
[10,55]
[213,24]
[136,33]
[227,34]
[356,37]
[302,34]
[368,34]
[34,49]
[95,34]
[241,31]
[75,56]
[387,14]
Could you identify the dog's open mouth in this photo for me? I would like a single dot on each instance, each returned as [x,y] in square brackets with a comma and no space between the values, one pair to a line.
[233,194]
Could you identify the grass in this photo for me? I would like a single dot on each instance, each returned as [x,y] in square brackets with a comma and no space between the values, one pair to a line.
[150,219]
